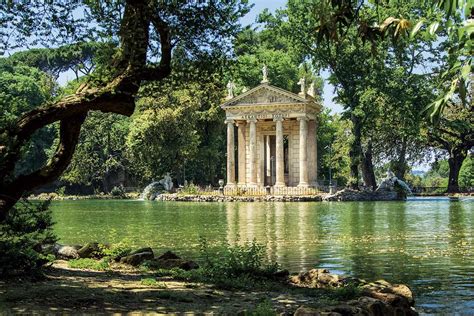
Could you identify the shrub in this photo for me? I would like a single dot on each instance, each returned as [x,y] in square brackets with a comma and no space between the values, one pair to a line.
[232,261]
[190,189]
[26,227]
[236,266]
[118,191]
[115,251]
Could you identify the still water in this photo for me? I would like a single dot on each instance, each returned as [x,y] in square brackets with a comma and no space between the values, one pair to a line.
[425,243]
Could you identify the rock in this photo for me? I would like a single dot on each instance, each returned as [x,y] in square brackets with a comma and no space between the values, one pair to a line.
[317,278]
[306,311]
[403,290]
[141,250]
[136,257]
[89,250]
[168,255]
[65,252]
[189,265]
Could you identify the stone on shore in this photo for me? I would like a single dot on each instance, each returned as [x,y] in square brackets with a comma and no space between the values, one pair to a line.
[136,257]
[89,250]
[65,252]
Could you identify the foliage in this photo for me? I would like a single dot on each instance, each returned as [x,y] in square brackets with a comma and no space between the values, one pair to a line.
[334,135]
[153,282]
[264,308]
[190,188]
[90,264]
[454,134]
[23,88]
[226,262]
[21,236]
[118,191]
[100,152]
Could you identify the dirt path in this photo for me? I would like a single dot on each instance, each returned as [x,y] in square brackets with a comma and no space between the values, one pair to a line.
[71,291]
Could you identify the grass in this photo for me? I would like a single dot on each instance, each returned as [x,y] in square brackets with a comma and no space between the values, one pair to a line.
[153,282]
[89,264]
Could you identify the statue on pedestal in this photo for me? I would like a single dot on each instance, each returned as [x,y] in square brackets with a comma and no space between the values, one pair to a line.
[265,74]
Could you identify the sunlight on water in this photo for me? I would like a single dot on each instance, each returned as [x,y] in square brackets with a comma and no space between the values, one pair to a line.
[425,243]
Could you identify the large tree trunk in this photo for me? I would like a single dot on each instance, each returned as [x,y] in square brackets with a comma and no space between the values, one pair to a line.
[455,160]
[400,165]
[367,167]
[355,152]
[115,96]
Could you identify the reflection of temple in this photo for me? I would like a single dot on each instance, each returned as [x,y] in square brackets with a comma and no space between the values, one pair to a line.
[284,229]
[275,132]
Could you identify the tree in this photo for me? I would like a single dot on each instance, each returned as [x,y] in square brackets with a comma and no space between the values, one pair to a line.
[22,88]
[454,134]
[147,32]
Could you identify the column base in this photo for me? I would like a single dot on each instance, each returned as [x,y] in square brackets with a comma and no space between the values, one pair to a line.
[303,185]
[279,185]
[230,186]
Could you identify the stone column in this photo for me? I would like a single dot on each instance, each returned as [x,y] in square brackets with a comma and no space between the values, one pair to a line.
[241,152]
[253,152]
[268,155]
[303,152]
[279,152]
[230,154]
[312,161]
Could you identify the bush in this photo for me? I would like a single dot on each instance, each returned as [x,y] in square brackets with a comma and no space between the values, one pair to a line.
[190,189]
[118,191]
[232,261]
[26,227]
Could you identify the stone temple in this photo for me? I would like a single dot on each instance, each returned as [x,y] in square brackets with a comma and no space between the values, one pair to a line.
[271,138]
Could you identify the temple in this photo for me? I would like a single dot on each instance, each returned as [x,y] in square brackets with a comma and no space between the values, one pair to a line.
[271,137]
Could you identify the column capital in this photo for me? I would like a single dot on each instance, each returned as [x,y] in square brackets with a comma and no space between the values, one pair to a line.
[252,120]
[302,118]
[229,121]
[278,118]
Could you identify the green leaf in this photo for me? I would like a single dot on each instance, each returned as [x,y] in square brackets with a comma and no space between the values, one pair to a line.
[433,27]
[466,69]
[416,28]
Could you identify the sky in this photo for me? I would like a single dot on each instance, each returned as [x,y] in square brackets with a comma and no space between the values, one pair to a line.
[272,5]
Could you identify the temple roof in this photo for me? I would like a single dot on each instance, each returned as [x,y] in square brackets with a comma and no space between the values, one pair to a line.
[266,94]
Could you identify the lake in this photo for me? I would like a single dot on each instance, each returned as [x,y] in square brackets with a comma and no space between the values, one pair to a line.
[426,243]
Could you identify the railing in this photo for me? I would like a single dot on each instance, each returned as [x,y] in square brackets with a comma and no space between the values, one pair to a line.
[260,191]
[439,190]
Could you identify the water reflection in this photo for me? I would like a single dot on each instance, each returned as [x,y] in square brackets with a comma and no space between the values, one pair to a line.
[427,244]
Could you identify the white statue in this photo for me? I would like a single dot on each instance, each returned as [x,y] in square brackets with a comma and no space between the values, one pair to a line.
[303,87]
[244,89]
[311,90]
[230,90]
[265,74]
[167,182]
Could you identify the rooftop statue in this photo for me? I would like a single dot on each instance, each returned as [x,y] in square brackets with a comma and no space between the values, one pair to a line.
[230,90]
[303,86]
[265,74]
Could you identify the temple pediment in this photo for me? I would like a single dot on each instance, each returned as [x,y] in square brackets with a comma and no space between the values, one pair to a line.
[266,94]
